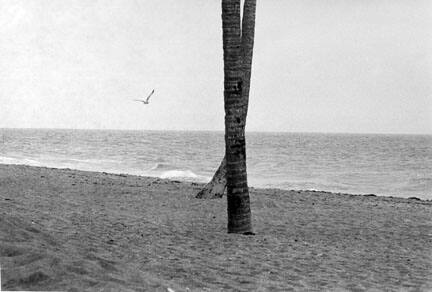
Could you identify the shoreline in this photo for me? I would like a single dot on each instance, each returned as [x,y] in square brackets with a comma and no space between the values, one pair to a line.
[65,229]
[419,197]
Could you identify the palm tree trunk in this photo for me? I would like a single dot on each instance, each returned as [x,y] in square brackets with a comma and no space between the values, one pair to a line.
[239,213]
[247,44]
[217,185]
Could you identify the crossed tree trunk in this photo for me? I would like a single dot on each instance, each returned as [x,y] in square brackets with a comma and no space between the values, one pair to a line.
[216,187]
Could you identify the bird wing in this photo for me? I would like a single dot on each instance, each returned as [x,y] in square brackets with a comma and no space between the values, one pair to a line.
[148,97]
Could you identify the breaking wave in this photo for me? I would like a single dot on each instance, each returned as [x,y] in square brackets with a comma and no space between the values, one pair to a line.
[186,175]
[16,160]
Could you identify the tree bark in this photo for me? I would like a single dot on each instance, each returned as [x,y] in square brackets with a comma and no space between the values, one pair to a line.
[217,185]
[239,213]
[247,44]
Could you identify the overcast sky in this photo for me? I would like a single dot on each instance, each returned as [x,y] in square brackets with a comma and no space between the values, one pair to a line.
[319,66]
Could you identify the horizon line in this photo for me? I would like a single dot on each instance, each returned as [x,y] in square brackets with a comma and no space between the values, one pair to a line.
[221,131]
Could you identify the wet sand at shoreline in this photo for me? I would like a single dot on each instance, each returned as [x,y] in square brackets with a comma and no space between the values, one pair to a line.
[63,229]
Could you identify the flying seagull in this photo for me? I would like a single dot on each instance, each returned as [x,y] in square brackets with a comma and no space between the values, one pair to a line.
[145,101]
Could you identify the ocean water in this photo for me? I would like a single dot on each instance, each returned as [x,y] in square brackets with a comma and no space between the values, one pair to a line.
[392,165]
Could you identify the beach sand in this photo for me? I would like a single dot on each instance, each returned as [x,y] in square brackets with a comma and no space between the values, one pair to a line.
[63,229]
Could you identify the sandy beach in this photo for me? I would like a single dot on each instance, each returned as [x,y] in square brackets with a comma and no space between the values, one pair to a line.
[63,229]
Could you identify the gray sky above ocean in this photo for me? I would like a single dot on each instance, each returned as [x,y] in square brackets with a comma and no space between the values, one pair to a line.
[320,66]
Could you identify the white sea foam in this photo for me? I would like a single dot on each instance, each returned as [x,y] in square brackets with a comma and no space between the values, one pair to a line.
[178,174]
[186,175]
[18,160]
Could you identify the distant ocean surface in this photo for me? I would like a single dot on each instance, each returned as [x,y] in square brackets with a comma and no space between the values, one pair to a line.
[392,165]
